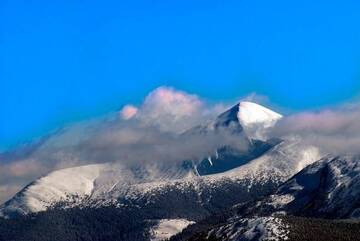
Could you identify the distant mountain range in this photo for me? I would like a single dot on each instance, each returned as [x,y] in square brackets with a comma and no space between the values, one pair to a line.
[234,193]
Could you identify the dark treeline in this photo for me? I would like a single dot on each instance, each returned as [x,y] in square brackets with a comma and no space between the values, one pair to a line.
[102,224]
[311,229]
[300,228]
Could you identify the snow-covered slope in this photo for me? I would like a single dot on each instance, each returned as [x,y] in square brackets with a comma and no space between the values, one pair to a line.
[57,186]
[327,188]
[111,184]
[274,167]
[228,157]
[279,163]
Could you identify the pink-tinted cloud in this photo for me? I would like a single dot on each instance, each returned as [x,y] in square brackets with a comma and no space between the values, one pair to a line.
[171,109]
[166,100]
[128,112]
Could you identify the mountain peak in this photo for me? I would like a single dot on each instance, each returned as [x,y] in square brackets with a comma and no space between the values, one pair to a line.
[248,114]
[255,119]
[229,118]
[248,117]
[251,113]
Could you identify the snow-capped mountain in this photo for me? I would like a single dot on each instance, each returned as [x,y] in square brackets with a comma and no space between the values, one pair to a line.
[191,190]
[247,122]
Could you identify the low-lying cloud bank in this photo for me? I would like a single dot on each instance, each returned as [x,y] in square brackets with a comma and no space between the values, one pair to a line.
[335,130]
[151,134]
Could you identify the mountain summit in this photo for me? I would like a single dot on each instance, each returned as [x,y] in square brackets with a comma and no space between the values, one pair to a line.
[249,117]
[256,119]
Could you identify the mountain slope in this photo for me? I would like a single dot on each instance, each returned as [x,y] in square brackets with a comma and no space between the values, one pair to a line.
[111,184]
[67,184]
[328,188]
[236,126]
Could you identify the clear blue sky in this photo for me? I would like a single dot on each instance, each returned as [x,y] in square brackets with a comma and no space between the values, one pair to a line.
[63,61]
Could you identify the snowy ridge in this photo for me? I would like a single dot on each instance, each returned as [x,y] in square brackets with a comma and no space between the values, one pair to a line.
[58,186]
[279,163]
[330,187]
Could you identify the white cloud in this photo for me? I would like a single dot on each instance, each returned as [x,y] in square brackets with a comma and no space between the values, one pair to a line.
[257,98]
[170,109]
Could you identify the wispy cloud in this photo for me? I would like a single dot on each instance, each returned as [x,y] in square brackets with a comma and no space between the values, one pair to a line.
[8,190]
[336,130]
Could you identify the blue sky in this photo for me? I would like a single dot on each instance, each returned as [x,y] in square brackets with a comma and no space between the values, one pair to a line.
[63,61]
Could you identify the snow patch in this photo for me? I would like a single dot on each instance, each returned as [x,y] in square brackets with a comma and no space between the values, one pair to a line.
[167,228]
[210,162]
[257,228]
[278,201]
